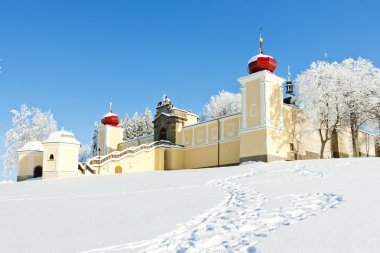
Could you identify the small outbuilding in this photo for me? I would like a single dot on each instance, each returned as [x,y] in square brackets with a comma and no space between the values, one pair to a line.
[30,161]
[60,157]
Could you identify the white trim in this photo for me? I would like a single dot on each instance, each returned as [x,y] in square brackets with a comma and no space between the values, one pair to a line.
[249,129]
[207,133]
[183,136]
[258,75]
[267,102]
[243,106]
[262,102]
[214,136]
[192,141]
[229,127]
[186,139]
[211,143]
[199,138]
[253,110]
[221,130]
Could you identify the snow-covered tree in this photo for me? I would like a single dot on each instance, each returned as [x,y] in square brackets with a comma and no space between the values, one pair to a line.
[140,125]
[340,94]
[29,124]
[128,130]
[85,153]
[360,96]
[147,122]
[94,145]
[224,103]
[320,98]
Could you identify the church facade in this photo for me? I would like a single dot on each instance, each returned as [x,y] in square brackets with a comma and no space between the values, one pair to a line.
[265,130]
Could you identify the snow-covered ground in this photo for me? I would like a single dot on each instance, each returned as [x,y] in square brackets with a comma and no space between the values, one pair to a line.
[301,206]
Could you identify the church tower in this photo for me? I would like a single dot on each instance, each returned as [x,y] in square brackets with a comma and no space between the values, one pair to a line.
[110,135]
[262,133]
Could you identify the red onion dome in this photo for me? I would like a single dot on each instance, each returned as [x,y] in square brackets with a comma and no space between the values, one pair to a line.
[110,118]
[261,61]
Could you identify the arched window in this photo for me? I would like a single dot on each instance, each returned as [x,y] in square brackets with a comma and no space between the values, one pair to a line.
[51,157]
[163,135]
[118,169]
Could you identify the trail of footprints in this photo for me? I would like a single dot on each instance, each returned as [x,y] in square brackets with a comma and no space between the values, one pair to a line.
[238,222]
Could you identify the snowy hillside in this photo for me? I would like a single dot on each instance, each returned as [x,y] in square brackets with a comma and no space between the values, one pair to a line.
[300,206]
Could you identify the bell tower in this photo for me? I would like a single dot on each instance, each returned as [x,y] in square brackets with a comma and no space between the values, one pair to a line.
[109,135]
[262,133]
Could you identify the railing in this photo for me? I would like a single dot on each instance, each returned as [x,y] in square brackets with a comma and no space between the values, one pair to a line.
[98,160]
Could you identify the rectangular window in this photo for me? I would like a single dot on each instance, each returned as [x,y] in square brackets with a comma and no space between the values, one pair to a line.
[186,138]
[230,129]
[200,136]
[215,132]
[253,110]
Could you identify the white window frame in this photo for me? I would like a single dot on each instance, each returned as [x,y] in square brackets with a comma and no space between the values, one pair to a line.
[187,139]
[253,110]
[199,135]
[231,129]
[214,133]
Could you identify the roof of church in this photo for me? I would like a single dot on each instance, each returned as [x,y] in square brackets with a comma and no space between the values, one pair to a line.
[62,136]
[32,146]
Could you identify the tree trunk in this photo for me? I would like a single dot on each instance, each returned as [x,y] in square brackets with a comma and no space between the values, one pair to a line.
[354,135]
[323,143]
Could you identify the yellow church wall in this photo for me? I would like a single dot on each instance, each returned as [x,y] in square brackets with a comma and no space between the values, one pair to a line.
[366,144]
[205,156]
[200,134]
[253,103]
[275,101]
[115,137]
[174,159]
[253,144]
[178,133]
[278,145]
[212,133]
[230,127]
[150,160]
[188,137]
[229,152]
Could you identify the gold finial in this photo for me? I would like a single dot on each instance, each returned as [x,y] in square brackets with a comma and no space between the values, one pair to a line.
[261,41]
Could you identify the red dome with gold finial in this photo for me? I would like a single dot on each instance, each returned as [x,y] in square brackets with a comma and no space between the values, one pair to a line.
[261,61]
[110,118]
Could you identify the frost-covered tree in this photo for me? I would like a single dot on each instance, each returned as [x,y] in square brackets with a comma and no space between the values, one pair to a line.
[94,144]
[342,94]
[128,130]
[140,125]
[320,98]
[224,103]
[360,96]
[147,122]
[29,124]
[85,153]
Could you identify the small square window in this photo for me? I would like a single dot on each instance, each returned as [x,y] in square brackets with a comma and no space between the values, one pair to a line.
[230,129]
[200,136]
[253,110]
[187,138]
[215,132]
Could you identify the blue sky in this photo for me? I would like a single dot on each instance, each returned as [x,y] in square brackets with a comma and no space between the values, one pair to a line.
[73,56]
